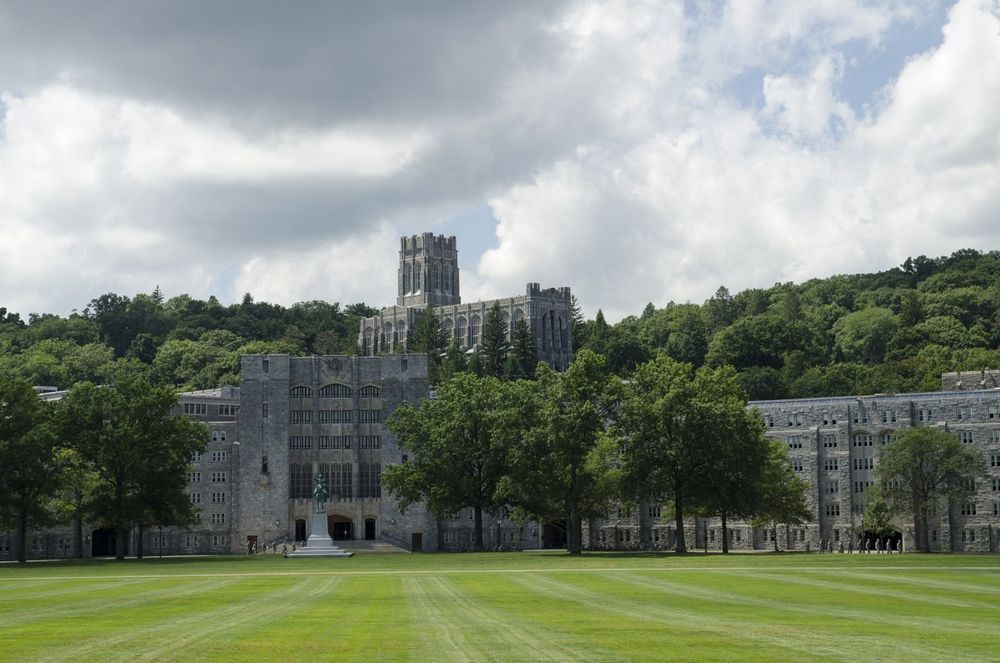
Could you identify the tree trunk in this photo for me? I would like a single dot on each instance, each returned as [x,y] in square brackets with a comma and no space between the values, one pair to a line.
[574,532]
[120,540]
[725,534]
[681,546]
[138,543]
[774,536]
[478,514]
[22,531]
[920,525]
[78,534]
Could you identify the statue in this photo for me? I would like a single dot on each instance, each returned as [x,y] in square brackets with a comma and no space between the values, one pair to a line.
[319,492]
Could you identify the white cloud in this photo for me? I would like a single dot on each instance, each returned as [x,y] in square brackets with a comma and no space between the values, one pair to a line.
[606,137]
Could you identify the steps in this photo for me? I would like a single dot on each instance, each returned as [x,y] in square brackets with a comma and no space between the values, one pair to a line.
[370,547]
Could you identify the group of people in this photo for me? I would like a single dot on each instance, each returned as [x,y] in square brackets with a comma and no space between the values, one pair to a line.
[865,546]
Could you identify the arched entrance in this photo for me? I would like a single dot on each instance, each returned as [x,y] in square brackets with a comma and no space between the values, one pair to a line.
[103,542]
[554,534]
[369,529]
[300,529]
[341,528]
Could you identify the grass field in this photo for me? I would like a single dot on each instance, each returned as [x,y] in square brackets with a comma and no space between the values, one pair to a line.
[514,606]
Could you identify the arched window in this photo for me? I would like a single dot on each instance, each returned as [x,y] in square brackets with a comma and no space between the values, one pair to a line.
[418,278]
[435,279]
[460,328]
[300,392]
[300,481]
[518,315]
[400,331]
[505,321]
[407,279]
[368,338]
[563,340]
[446,327]
[475,328]
[369,391]
[335,391]
[446,277]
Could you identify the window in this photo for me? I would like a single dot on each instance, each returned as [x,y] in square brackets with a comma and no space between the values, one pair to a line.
[369,416]
[862,440]
[335,416]
[335,391]
[218,539]
[769,421]
[195,456]
[795,442]
[196,408]
[191,541]
[797,464]
[194,477]
[885,417]
[892,416]
[830,464]
[451,538]
[926,415]
[968,536]
[655,511]
[863,463]
[229,410]
[996,508]
[832,510]
[992,412]
[969,509]
[218,518]
[885,438]
[369,480]
[370,442]
[265,365]
[263,410]
[218,477]
[300,416]
[218,498]
[829,441]
[369,391]
[300,481]
[994,460]
[300,392]
[995,437]
[996,484]
[335,442]
[965,437]
[218,456]
[195,498]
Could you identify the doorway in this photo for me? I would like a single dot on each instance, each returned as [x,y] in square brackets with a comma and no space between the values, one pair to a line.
[300,530]
[340,527]
[369,529]
[103,542]
[416,542]
[554,534]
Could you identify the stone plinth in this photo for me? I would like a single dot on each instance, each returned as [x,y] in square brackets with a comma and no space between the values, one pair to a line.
[319,543]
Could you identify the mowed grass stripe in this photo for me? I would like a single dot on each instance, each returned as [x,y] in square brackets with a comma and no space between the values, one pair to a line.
[123,596]
[834,611]
[836,583]
[755,633]
[933,584]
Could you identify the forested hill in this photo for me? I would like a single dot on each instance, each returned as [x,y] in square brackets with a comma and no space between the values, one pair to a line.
[893,331]
[186,342]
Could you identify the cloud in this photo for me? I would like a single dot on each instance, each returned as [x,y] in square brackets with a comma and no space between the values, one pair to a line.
[282,152]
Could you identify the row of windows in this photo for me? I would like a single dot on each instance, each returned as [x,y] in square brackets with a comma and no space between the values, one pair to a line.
[218,436]
[334,416]
[926,415]
[832,509]
[218,518]
[861,486]
[831,464]
[217,477]
[335,391]
[337,480]
[305,442]
[863,463]
[196,408]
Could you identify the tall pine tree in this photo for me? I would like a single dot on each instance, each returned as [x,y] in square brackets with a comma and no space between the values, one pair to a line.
[493,349]
[428,336]
[523,357]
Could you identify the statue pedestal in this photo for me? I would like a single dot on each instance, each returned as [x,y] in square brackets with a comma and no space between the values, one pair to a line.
[319,543]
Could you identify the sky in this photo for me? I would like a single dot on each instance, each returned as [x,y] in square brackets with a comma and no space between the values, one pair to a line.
[634,151]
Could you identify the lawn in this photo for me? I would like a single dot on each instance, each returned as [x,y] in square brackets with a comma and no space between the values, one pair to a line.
[513,606]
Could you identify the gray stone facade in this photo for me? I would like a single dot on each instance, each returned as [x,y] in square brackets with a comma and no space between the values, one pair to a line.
[428,274]
[833,446]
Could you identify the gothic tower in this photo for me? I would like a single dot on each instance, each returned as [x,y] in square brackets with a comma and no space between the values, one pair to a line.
[428,271]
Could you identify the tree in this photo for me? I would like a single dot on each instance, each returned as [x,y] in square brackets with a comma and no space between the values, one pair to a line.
[494,346]
[138,449]
[561,462]
[77,482]
[667,422]
[27,456]
[523,357]
[783,500]
[428,337]
[734,479]
[922,467]
[459,449]
[865,335]
[454,361]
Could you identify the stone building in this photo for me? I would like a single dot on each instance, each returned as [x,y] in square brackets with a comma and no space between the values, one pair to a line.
[833,446]
[428,275]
